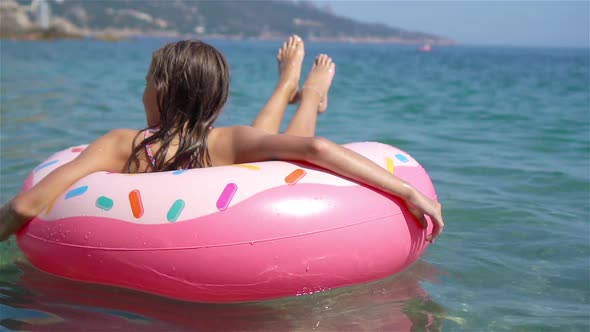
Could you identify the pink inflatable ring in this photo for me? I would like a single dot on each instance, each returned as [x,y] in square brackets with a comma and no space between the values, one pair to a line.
[227,234]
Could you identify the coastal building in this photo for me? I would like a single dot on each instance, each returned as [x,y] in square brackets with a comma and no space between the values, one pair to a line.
[42,13]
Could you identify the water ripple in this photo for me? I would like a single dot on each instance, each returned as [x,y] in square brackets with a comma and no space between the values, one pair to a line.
[503,133]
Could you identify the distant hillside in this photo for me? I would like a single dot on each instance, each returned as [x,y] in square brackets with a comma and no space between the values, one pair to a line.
[229,19]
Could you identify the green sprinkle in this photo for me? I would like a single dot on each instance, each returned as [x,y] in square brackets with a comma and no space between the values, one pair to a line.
[175,210]
[104,203]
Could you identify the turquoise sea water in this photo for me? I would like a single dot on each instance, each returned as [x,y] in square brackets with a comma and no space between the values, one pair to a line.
[503,132]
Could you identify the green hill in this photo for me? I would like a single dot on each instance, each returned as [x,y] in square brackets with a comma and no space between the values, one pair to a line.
[230,19]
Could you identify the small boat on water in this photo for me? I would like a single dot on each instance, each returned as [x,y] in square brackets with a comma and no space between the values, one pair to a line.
[425,48]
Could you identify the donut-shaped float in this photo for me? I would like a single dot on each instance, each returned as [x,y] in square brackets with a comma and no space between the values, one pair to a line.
[228,234]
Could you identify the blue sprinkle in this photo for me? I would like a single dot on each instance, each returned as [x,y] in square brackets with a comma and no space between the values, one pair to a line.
[401,158]
[76,192]
[49,163]
[180,171]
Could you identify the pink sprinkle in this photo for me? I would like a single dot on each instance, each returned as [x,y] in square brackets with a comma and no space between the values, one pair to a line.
[226,196]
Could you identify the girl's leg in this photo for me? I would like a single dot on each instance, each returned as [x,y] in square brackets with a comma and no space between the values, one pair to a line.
[314,95]
[290,58]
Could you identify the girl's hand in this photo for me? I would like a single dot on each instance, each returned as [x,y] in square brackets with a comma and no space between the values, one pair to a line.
[108,153]
[10,220]
[420,205]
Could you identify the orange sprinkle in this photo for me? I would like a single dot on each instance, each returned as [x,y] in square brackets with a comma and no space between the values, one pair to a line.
[136,204]
[295,176]
[390,167]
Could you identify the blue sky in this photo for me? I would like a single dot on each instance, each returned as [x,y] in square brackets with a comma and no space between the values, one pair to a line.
[518,23]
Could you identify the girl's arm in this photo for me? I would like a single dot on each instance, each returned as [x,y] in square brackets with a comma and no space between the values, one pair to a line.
[108,153]
[250,145]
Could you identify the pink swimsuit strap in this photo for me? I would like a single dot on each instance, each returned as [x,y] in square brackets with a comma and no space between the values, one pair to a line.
[148,147]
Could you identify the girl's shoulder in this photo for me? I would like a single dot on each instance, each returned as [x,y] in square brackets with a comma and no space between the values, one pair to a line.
[123,139]
[226,134]
[221,132]
[220,145]
[123,135]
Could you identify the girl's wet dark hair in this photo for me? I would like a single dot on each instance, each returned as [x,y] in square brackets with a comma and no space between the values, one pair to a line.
[192,85]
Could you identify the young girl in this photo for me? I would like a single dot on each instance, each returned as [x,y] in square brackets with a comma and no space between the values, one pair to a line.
[187,86]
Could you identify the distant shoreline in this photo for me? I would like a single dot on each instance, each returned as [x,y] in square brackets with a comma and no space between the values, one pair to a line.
[107,37]
[40,35]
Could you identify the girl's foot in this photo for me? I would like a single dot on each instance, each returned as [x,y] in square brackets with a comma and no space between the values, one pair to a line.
[319,79]
[290,58]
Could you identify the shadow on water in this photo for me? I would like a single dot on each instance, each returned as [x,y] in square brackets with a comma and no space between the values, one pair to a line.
[32,300]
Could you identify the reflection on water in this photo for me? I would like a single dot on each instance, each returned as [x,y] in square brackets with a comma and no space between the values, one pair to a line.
[35,301]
